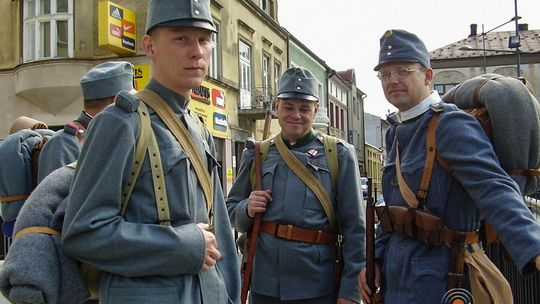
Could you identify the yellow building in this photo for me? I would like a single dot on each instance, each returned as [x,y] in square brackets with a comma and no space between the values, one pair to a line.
[47,46]
[374,164]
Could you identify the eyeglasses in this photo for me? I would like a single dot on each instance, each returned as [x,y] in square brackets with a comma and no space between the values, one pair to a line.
[400,73]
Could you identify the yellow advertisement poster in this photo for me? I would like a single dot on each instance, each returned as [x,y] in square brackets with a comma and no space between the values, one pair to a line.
[209,102]
[141,74]
[117,28]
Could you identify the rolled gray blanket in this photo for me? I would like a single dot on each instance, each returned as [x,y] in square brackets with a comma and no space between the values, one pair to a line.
[515,120]
[16,169]
[36,269]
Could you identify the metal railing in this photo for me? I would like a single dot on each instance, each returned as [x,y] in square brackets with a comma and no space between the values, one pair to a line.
[525,288]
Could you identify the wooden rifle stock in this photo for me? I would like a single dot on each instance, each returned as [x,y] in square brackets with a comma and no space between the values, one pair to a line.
[257,220]
[370,244]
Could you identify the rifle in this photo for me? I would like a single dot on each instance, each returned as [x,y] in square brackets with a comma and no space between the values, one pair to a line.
[375,296]
[247,268]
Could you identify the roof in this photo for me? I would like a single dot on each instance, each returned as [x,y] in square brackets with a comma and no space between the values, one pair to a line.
[530,43]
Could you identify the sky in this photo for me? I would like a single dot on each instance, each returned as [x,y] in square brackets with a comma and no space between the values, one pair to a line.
[345,33]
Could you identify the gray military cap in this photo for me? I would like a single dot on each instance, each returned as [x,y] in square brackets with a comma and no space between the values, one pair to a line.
[400,45]
[298,83]
[107,79]
[179,13]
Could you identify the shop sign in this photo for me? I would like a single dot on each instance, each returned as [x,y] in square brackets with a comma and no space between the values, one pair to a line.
[117,28]
[209,102]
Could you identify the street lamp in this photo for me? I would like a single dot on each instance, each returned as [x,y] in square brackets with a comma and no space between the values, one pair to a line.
[513,42]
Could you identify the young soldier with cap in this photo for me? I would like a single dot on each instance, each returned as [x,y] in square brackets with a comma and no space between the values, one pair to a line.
[149,254]
[299,267]
[418,267]
[99,86]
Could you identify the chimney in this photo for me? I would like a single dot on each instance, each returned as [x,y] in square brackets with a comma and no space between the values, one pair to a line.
[474,26]
[523,27]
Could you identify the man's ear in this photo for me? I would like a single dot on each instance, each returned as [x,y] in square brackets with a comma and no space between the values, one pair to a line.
[429,76]
[148,46]
[316,107]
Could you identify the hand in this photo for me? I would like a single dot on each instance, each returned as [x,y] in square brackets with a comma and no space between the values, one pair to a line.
[345,301]
[257,202]
[211,253]
[364,288]
[537,262]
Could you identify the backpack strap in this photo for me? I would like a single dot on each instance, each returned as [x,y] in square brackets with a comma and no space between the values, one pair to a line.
[184,138]
[264,146]
[314,184]
[330,150]
[417,201]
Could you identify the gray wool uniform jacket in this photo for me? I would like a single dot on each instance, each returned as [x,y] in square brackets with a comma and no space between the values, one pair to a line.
[142,261]
[296,270]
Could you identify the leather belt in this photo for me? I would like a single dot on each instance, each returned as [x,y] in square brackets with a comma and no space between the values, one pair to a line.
[292,233]
[450,237]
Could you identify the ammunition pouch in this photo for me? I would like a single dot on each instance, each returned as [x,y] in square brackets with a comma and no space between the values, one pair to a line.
[422,225]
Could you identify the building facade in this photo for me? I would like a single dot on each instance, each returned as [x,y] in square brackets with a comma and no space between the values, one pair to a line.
[482,53]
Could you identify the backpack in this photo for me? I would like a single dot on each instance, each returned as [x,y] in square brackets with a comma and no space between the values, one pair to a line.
[510,116]
[19,154]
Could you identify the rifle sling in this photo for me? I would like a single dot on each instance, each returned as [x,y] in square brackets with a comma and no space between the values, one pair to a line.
[314,184]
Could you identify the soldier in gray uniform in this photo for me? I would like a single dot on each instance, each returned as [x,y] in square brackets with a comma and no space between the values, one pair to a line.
[300,270]
[99,86]
[141,259]
[413,270]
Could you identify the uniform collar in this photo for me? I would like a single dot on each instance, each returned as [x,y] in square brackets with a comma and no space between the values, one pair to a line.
[177,102]
[83,120]
[306,139]
[419,109]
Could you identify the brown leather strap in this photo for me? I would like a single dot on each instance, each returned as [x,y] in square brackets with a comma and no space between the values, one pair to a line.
[36,229]
[12,198]
[526,172]
[293,233]
[451,237]
[431,151]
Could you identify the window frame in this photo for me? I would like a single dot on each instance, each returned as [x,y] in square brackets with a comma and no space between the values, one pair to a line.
[33,47]
[245,74]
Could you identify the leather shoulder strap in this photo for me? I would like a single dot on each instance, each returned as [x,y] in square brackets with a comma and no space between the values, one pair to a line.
[182,135]
[264,146]
[302,172]
[331,152]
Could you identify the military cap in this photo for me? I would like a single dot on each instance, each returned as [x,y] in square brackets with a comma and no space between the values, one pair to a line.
[179,13]
[298,83]
[400,45]
[107,79]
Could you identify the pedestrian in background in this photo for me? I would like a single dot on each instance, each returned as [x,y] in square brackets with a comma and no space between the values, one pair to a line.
[99,87]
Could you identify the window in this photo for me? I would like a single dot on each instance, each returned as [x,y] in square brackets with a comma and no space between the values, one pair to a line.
[277,74]
[214,68]
[266,75]
[245,75]
[48,29]
[443,88]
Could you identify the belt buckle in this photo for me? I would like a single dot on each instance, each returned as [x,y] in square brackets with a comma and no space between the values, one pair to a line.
[289,232]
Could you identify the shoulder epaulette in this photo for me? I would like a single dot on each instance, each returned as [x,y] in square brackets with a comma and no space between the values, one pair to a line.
[127,102]
[71,129]
[437,107]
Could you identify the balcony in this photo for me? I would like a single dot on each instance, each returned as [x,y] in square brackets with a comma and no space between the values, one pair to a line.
[254,104]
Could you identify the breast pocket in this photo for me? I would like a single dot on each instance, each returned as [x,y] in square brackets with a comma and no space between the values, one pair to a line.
[268,172]
[178,177]
[318,169]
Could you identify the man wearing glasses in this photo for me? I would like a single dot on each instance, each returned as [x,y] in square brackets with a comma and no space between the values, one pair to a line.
[413,267]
